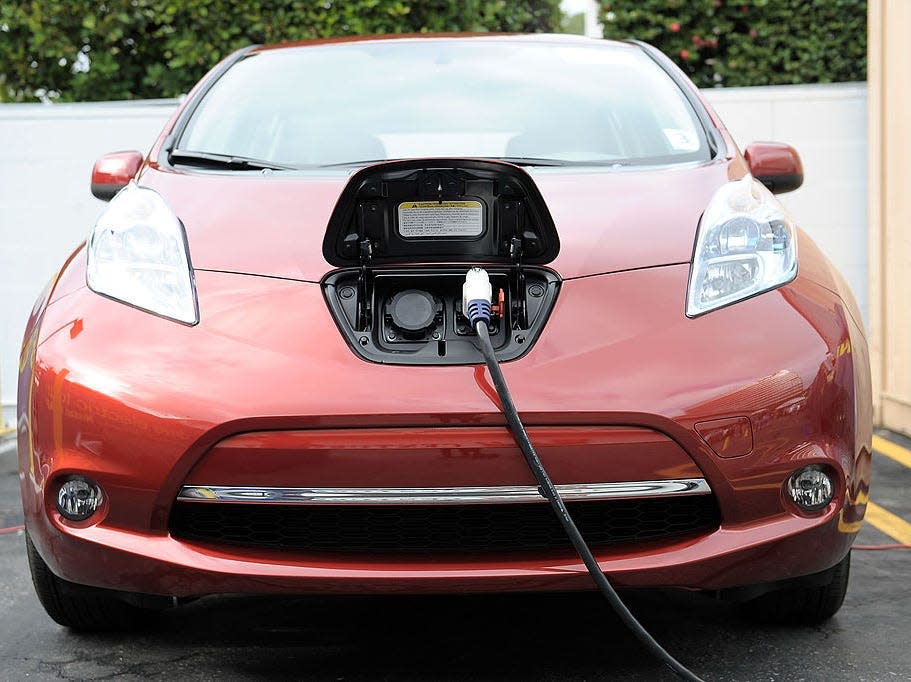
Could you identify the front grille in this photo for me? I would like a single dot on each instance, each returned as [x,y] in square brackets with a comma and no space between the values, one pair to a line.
[389,529]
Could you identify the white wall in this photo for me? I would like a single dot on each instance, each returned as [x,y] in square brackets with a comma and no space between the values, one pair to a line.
[48,151]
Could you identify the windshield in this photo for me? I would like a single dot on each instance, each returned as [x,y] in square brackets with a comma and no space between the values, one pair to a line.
[603,103]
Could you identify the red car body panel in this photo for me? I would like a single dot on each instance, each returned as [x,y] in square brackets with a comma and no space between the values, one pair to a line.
[173,403]
[439,456]
[265,391]
[222,214]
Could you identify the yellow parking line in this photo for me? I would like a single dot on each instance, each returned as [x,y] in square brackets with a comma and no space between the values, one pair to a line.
[3,431]
[892,450]
[890,524]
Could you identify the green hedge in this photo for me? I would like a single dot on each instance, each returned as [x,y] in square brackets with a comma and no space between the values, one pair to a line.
[750,42]
[148,48]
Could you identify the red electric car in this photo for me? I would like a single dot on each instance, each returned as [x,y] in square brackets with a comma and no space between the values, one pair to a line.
[257,375]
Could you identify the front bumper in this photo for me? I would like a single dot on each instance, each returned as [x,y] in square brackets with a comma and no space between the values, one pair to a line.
[159,564]
[143,406]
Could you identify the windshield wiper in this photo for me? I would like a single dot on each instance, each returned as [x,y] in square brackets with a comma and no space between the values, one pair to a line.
[530,161]
[362,162]
[517,160]
[224,161]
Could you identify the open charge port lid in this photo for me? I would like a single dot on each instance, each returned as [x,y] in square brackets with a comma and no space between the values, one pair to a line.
[440,210]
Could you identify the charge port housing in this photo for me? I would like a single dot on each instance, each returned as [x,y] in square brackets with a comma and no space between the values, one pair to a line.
[405,233]
[448,338]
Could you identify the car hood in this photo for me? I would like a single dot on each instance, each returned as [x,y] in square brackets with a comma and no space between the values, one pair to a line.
[273,225]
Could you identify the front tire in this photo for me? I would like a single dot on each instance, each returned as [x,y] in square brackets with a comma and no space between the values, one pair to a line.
[803,604]
[85,609]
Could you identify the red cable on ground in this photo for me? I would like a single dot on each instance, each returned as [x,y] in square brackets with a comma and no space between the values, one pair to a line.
[11,530]
[874,548]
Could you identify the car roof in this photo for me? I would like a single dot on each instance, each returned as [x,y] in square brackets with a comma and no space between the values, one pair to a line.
[554,38]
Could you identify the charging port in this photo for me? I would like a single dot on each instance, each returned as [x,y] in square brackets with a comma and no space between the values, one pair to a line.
[419,317]
[394,221]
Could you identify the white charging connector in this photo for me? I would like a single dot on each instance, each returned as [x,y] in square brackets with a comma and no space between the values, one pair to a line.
[477,295]
[476,287]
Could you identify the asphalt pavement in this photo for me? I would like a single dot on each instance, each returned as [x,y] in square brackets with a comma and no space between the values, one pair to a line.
[518,637]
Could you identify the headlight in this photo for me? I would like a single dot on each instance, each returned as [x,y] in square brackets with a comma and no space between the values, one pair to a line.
[746,245]
[137,253]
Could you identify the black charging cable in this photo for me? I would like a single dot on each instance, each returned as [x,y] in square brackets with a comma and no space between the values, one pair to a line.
[547,488]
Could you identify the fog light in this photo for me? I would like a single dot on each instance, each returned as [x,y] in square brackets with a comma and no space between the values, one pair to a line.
[78,498]
[811,488]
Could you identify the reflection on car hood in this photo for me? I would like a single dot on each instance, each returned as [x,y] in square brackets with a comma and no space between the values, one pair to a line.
[607,220]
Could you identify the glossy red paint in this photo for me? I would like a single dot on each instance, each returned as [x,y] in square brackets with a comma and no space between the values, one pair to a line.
[776,164]
[729,437]
[440,457]
[112,172]
[177,394]
[652,216]
[265,390]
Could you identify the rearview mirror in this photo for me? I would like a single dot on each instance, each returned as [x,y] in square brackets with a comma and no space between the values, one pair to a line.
[775,165]
[113,172]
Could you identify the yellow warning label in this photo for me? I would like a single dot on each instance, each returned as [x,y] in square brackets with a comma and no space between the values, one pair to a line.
[431,219]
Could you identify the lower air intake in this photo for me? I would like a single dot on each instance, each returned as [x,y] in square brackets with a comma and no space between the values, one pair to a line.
[469,528]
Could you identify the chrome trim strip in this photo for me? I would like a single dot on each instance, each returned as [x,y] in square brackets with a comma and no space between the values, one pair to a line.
[427,496]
